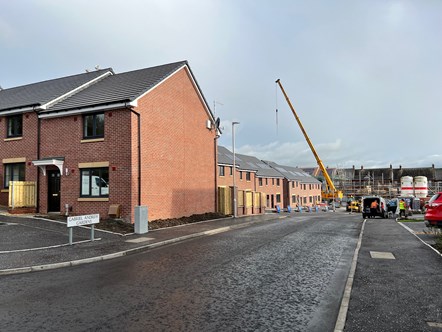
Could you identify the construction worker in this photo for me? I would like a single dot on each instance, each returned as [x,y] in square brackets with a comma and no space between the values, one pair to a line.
[374,208]
[402,206]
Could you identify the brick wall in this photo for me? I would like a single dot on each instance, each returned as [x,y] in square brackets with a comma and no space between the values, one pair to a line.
[178,151]
[61,137]
[25,147]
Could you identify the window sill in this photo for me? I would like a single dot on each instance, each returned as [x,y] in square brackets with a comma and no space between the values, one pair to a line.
[93,199]
[92,140]
[13,139]
[4,190]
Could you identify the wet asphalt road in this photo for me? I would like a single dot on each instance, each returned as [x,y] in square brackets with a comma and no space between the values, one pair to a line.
[282,275]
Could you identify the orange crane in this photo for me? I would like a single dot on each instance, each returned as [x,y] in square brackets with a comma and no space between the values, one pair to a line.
[331,192]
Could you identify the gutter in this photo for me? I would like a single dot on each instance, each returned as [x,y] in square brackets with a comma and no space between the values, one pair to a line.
[92,109]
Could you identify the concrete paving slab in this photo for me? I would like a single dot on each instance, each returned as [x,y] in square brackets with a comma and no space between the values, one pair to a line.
[381,255]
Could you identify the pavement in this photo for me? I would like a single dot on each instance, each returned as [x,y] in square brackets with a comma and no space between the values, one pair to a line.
[394,284]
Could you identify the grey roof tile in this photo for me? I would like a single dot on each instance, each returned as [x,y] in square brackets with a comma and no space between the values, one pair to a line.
[40,93]
[293,173]
[124,87]
[246,163]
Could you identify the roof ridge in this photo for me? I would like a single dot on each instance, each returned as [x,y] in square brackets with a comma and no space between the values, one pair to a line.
[77,90]
[55,79]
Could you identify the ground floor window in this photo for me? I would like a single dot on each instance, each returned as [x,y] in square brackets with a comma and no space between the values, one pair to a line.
[13,172]
[94,182]
[278,198]
[294,199]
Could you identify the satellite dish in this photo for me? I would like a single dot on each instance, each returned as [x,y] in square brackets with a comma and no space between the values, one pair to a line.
[217,123]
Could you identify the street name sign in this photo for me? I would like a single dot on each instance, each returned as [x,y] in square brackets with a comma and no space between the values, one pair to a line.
[83,220]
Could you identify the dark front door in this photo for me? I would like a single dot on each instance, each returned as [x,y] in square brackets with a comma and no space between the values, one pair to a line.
[53,191]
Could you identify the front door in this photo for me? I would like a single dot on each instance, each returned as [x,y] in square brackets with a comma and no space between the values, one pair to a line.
[53,191]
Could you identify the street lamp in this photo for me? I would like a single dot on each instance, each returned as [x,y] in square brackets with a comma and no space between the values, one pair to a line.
[234,170]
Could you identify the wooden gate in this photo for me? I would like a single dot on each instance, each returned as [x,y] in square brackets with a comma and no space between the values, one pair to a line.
[22,194]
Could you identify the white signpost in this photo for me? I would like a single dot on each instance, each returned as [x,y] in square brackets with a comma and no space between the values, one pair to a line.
[89,219]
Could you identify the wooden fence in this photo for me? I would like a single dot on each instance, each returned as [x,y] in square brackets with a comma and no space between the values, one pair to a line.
[248,202]
[22,194]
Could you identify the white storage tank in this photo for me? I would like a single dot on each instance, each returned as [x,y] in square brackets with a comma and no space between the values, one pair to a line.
[420,186]
[407,186]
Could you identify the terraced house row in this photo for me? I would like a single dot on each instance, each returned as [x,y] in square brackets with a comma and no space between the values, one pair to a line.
[99,140]
[105,142]
[282,186]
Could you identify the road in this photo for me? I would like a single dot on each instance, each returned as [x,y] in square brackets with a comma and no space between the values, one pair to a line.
[281,275]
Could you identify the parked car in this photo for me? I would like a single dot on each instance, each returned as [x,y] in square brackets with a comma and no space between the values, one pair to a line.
[433,214]
[366,207]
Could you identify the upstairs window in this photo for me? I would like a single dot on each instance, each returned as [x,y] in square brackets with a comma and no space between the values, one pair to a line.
[247,176]
[93,125]
[15,126]
[13,172]
[221,170]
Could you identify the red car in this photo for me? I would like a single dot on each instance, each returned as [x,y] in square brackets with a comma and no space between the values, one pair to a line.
[433,214]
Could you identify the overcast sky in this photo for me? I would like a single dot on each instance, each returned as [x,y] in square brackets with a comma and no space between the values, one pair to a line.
[365,77]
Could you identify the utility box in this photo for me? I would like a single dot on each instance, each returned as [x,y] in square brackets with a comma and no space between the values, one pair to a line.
[141,220]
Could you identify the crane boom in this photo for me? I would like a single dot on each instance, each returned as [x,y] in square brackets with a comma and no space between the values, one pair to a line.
[331,186]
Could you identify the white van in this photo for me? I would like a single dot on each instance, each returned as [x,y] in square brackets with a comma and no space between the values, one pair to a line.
[95,186]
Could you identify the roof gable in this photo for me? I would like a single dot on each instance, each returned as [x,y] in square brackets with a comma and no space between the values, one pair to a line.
[124,87]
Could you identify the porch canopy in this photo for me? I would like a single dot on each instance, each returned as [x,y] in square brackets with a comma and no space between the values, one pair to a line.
[56,161]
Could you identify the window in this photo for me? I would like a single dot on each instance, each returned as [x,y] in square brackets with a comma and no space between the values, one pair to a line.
[231,170]
[278,198]
[260,182]
[93,125]
[13,172]
[267,181]
[94,182]
[247,176]
[310,186]
[277,182]
[240,175]
[310,199]
[15,125]
[273,182]
[305,200]
[293,184]
[294,199]
[221,170]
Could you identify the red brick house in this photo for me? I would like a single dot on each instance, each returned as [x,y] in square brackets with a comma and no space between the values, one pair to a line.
[96,139]
[251,174]
[283,185]
[300,188]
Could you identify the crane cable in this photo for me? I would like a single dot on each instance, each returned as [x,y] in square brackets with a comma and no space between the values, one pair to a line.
[276,107]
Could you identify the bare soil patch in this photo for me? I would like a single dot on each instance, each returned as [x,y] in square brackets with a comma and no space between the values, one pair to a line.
[122,227]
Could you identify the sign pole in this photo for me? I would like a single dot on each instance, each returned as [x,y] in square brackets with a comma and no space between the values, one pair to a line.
[92,232]
[70,236]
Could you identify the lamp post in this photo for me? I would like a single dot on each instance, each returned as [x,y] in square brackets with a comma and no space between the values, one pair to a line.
[234,170]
